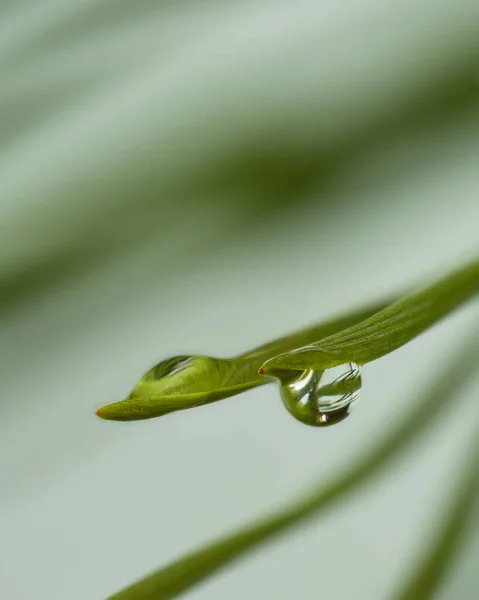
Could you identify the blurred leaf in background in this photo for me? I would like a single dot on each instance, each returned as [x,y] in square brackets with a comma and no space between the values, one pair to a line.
[250,116]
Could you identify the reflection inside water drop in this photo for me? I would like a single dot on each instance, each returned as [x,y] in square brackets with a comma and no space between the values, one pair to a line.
[321,398]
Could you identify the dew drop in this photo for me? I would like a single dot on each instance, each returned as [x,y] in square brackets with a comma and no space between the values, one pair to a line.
[321,398]
[186,374]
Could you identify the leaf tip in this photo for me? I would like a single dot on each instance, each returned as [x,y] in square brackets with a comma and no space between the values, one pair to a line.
[103,413]
[118,411]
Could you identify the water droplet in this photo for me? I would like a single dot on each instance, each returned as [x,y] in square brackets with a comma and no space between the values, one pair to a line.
[321,397]
[186,374]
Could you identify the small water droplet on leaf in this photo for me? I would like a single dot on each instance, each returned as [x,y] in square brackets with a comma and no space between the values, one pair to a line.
[181,375]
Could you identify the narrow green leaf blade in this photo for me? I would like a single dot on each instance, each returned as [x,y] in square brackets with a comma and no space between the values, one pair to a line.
[425,580]
[184,573]
[387,330]
[210,379]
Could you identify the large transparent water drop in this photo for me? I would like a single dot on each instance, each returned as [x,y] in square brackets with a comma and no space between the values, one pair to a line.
[321,398]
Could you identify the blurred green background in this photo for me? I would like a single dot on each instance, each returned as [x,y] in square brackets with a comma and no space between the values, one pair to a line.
[200,177]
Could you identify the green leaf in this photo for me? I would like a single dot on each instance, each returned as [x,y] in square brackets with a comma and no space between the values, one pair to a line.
[184,573]
[385,331]
[426,578]
[189,381]
[186,381]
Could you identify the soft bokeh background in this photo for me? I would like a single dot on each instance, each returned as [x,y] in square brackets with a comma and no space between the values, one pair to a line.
[203,177]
